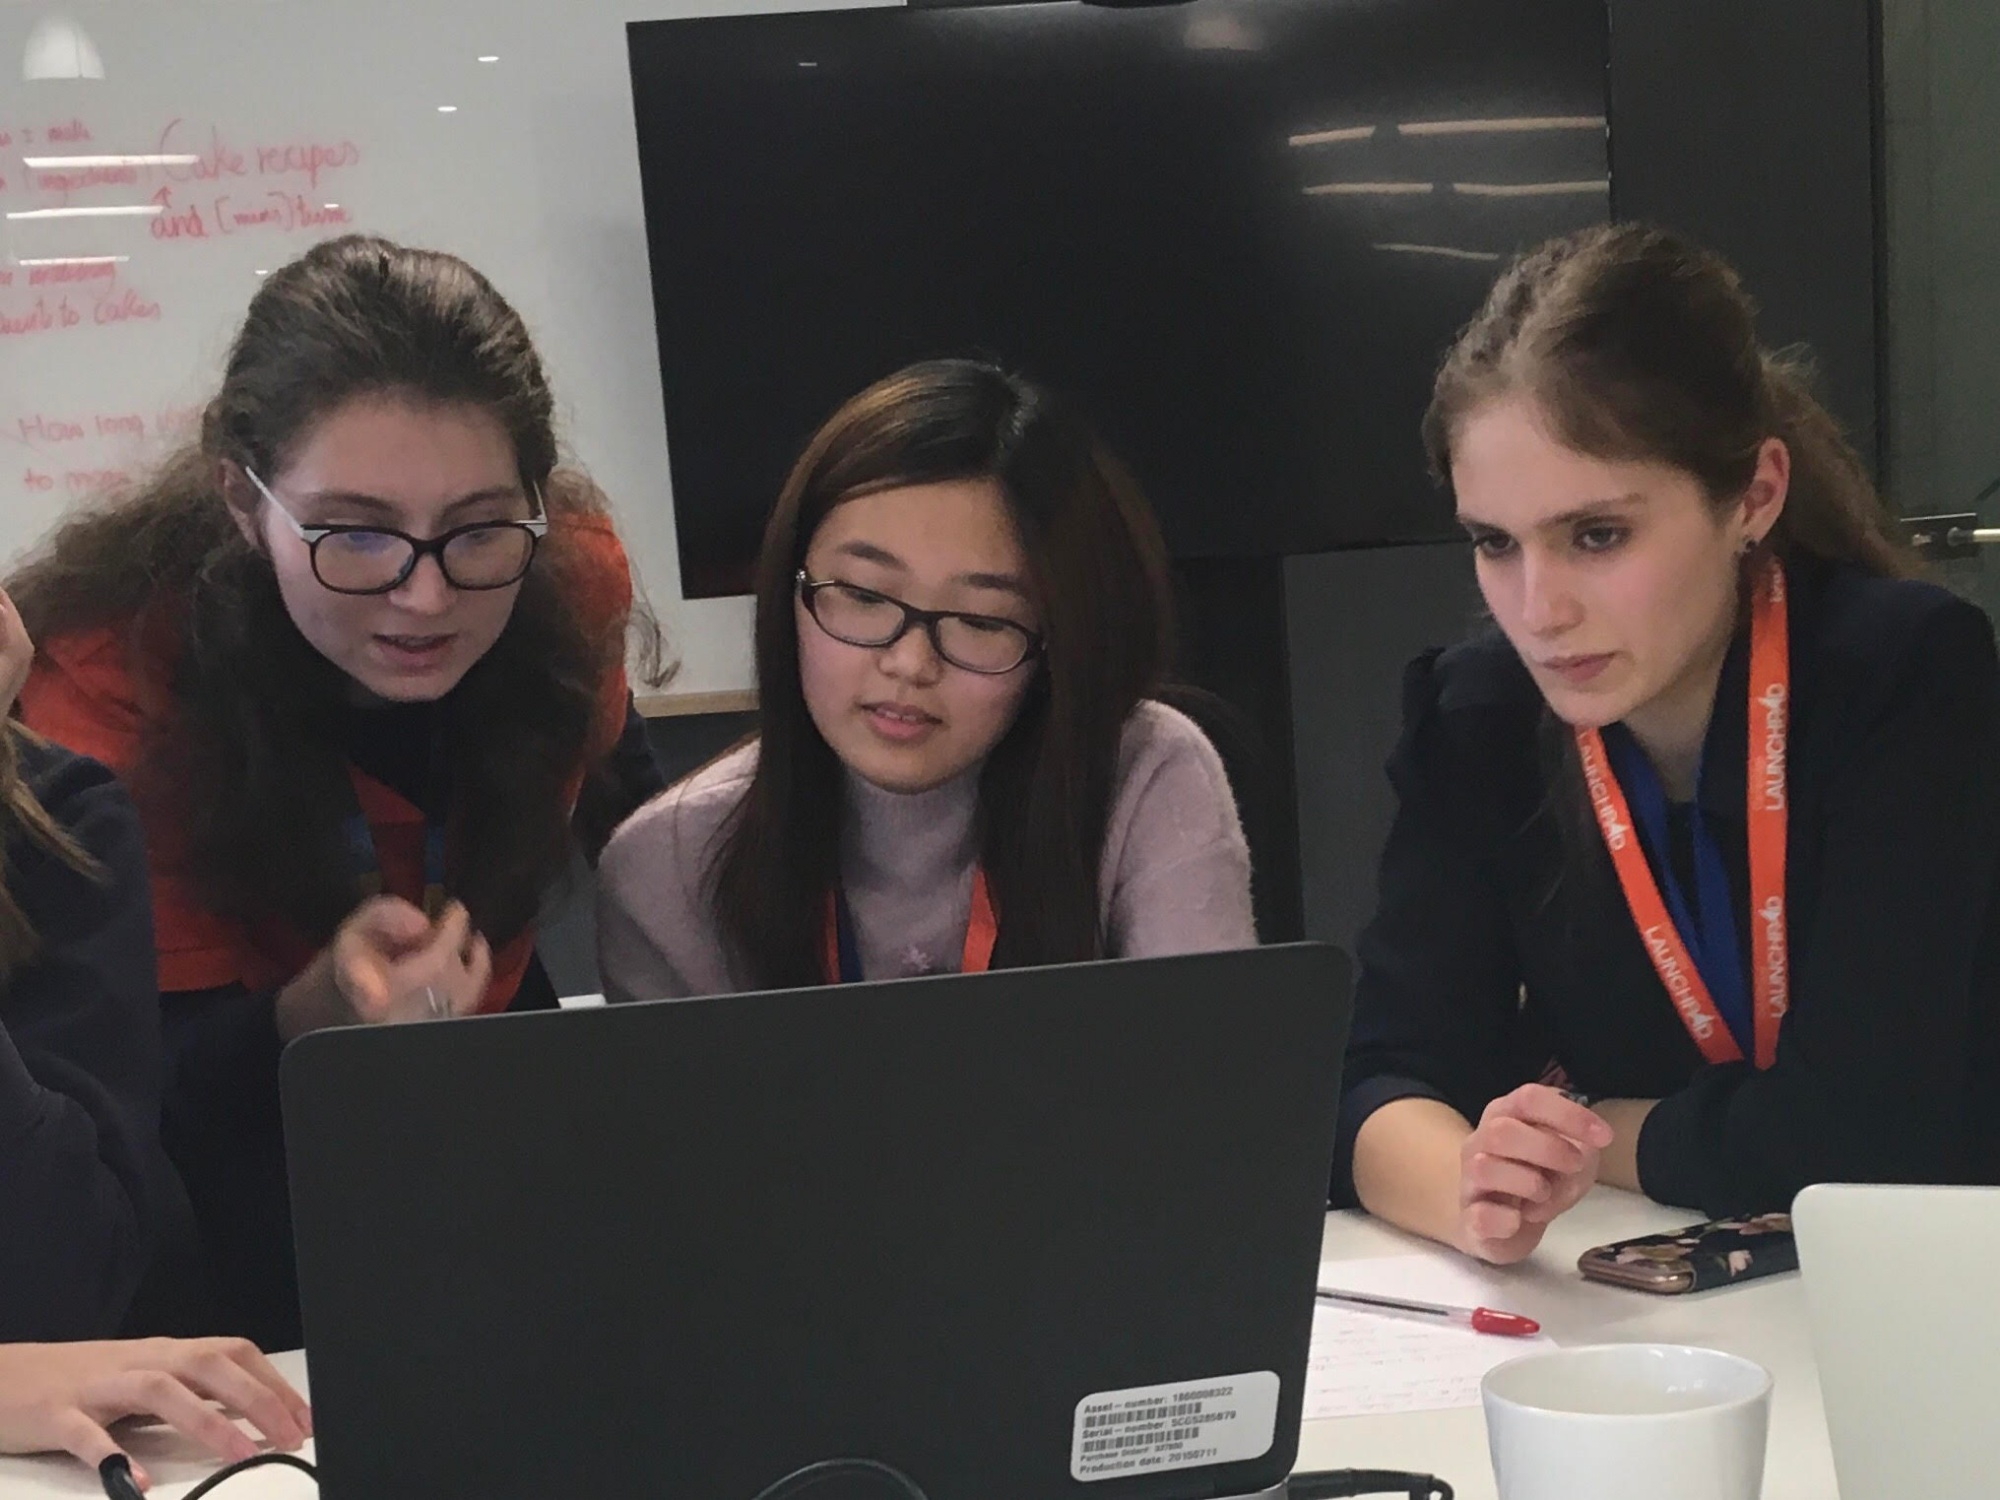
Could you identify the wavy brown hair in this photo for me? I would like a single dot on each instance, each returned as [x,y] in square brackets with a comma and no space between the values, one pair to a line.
[1099,574]
[240,760]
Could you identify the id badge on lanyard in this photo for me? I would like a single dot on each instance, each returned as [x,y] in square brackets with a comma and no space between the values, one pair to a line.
[1666,945]
[841,959]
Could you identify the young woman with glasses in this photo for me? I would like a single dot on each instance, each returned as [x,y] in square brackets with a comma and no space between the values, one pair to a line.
[359,651]
[963,624]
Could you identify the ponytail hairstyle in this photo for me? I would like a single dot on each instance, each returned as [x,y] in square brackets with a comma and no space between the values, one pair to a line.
[241,761]
[1098,570]
[1637,345]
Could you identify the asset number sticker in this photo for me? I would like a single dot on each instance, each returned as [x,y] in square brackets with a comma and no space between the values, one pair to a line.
[1155,1429]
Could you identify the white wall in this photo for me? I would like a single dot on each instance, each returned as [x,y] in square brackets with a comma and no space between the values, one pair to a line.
[291,107]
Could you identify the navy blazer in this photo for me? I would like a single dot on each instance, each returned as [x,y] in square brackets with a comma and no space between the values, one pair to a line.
[86,1195]
[1502,947]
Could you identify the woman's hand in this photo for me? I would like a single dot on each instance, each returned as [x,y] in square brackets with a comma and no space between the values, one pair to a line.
[387,963]
[1531,1158]
[63,1397]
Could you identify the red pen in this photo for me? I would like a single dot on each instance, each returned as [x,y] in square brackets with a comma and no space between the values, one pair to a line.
[1478,1319]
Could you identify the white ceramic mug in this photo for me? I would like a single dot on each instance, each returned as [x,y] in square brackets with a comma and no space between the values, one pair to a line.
[1628,1422]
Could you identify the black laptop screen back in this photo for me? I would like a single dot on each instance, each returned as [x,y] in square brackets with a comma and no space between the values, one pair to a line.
[684,1249]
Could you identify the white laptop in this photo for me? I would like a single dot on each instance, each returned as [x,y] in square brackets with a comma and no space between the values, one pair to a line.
[1903,1289]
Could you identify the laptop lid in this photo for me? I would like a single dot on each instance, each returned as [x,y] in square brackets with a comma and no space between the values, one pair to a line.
[997,1231]
[1899,1284]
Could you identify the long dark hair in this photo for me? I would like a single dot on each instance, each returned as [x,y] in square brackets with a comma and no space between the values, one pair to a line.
[240,761]
[1099,573]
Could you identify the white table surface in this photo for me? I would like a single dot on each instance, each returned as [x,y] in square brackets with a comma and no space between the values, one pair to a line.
[1765,1321]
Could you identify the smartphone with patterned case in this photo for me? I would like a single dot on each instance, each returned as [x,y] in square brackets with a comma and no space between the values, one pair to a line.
[1701,1257]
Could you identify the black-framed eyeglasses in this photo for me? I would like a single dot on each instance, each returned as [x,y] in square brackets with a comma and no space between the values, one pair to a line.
[378,559]
[856,616]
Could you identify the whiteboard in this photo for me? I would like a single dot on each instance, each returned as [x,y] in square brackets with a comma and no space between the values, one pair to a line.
[305,120]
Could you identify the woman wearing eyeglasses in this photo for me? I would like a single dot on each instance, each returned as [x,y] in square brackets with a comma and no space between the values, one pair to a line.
[359,652]
[963,621]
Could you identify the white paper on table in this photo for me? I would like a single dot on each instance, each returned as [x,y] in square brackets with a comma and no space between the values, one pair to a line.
[1376,1364]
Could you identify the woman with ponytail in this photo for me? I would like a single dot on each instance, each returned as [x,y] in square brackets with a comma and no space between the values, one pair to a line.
[1694,885]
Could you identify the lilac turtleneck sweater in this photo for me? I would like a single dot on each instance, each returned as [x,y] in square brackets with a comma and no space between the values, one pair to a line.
[1175,876]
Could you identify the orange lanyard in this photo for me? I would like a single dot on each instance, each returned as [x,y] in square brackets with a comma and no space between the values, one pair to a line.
[1769,728]
[841,960]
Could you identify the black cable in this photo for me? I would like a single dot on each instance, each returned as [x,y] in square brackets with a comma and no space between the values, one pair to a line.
[251,1463]
[1330,1484]
[811,1474]
[1334,1484]
[116,1474]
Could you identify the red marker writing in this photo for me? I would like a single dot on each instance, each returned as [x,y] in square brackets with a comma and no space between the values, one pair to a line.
[1478,1319]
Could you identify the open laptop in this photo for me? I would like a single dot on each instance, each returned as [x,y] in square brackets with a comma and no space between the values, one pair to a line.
[1905,1324]
[1025,1234]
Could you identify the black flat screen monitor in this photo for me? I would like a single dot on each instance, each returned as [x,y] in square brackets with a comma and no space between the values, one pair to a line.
[1239,231]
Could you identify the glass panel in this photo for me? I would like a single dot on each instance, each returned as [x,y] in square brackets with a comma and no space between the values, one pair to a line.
[1942,121]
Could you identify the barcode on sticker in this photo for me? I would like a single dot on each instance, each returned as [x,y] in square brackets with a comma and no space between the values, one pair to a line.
[1155,1429]
[1141,1413]
[1140,1439]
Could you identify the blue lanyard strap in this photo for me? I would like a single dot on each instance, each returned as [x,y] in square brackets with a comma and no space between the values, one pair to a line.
[1711,933]
[367,864]
[362,856]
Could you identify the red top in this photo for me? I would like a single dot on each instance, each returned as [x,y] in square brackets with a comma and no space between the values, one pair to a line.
[83,693]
